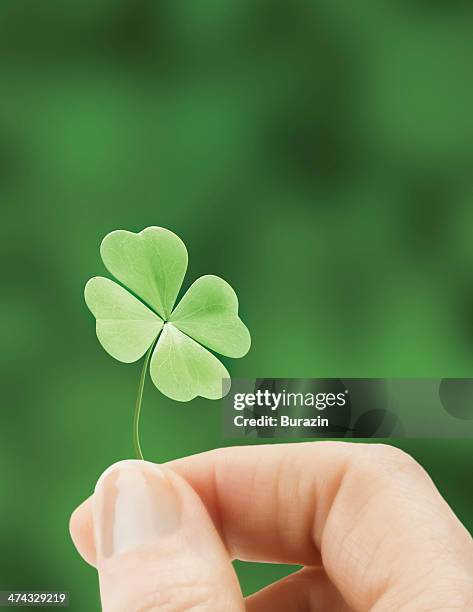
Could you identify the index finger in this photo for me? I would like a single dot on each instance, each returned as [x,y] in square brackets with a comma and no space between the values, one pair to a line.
[370,512]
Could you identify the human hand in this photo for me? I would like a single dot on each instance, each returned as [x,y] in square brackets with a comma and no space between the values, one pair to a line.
[365,521]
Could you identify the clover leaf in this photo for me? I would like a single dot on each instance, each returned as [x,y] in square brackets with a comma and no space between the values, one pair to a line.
[141,318]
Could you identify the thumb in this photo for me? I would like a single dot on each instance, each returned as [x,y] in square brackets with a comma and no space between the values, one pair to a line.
[157,548]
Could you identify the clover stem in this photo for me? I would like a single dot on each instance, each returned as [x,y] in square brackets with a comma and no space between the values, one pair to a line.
[139,397]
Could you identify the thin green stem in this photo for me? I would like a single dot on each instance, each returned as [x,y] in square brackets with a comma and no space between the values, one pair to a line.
[139,397]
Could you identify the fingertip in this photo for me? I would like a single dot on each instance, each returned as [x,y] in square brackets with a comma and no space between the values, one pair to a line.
[82,531]
[81,523]
[156,545]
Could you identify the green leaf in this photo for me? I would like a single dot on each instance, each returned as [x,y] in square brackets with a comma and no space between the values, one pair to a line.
[208,312]
[183,369]
[152,264]
[125,327]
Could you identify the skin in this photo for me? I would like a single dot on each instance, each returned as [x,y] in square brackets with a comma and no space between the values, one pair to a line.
[365,521]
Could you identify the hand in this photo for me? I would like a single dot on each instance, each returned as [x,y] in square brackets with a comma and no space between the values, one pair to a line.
[365,521]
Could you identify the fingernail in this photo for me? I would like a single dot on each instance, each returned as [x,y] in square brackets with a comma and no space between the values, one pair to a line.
[134,504]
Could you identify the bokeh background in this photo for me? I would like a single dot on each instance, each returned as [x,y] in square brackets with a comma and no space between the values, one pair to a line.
[317,154]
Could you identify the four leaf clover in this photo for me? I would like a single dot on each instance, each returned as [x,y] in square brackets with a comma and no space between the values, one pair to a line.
[143,320]
[152,264]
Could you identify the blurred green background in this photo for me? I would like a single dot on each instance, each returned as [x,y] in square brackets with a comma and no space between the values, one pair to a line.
[316,154]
